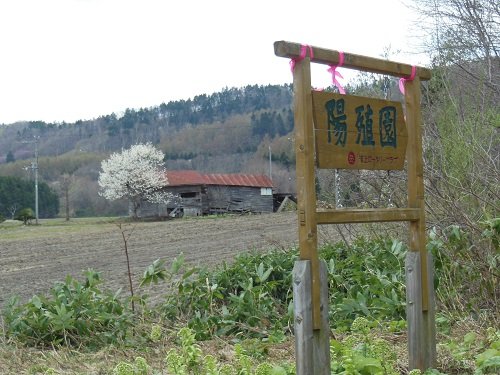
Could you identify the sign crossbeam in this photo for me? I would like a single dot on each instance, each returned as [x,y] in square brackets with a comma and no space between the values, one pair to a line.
[353,61]
[345,216]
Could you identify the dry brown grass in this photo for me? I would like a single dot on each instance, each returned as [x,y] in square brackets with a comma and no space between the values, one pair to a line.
[16,359]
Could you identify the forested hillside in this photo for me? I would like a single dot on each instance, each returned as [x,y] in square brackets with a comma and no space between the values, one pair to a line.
[228,131]
[155,124]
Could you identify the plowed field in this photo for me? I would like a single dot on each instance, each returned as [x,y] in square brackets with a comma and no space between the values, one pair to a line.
[32,257]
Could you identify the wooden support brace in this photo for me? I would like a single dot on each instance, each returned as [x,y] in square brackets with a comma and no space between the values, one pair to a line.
[367,215]
[416,181]
[312,347]
[303,324]
[306,193]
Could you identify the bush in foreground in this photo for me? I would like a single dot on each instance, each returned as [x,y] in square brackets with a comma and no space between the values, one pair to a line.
[253,295]
[75,314]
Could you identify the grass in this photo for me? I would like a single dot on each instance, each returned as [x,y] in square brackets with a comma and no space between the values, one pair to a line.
[14,229]
[21,360]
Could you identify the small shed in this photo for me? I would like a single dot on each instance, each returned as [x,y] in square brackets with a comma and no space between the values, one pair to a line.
[205,194]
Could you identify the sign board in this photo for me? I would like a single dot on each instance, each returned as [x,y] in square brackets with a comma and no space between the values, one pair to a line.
[354,132]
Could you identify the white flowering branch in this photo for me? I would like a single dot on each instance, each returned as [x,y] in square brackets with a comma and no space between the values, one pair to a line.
[137,174]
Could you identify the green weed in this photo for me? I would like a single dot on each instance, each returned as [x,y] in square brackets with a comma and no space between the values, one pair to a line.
[74,314]
[365,279]
[252,297]
[362,352]
[483,352]
[466,277]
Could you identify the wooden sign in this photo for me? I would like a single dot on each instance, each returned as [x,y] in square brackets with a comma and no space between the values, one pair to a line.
[354,132]
[341,131]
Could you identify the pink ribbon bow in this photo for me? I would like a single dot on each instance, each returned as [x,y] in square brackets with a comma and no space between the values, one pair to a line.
[336,74]
[407,79]
[303,54]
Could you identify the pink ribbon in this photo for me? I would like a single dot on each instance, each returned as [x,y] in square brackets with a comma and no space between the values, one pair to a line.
[303,54]
[407,79]
[336,74]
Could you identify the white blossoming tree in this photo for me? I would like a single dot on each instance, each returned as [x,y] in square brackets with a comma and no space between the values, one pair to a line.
[137,174]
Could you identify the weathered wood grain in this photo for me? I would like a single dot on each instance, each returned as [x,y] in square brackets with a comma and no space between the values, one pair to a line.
[303,320]
[368,64]
[414,311]
[312,347]
[305,171]
[370,215]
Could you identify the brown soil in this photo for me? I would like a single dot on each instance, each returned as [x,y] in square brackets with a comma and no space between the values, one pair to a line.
[31,264]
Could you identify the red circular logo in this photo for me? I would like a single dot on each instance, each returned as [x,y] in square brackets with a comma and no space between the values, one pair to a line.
[351,158]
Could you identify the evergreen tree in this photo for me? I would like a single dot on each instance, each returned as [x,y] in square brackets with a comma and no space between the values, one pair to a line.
[16,194]
[10,157]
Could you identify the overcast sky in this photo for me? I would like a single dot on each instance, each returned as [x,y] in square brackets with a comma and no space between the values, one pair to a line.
[65,60]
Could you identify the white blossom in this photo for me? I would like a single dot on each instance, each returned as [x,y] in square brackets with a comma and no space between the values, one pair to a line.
[137,173]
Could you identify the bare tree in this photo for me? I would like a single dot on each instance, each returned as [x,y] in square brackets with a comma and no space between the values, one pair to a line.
[463,31]
[13,209]
[461,111]
[66,180]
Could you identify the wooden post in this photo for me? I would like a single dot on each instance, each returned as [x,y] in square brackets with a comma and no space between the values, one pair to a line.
[425,355]
[429,319]
[414,311]
[321,337]
[416,180]
[312,347]
[303,327]
[306,191]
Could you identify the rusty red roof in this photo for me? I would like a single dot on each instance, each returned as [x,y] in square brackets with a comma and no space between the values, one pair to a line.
[180,178]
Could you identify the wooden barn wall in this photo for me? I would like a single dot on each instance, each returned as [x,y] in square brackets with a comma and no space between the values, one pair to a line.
[211,199]
[238,199]
[150,209]
[193,199]
[195,203]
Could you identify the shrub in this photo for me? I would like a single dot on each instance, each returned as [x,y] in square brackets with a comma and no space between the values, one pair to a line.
[253,295]
[75,314]
[249,297]
[25,215]
[466,269]
[367,279]
[362,352]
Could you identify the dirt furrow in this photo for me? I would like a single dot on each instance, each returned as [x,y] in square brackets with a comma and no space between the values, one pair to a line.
[31,266]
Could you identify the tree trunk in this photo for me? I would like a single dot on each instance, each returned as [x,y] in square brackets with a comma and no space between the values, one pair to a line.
[66,198]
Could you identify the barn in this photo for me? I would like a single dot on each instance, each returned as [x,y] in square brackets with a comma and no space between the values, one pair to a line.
[205,194]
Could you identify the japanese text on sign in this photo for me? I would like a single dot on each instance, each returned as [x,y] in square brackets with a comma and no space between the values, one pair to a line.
[358,133]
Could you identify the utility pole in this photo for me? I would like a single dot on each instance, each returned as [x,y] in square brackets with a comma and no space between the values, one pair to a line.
[34,167]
